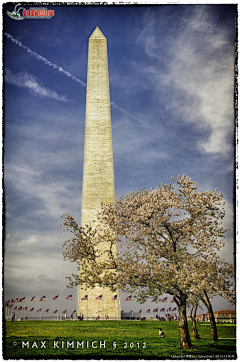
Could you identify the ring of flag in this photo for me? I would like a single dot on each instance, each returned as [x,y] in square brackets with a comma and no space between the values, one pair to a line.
[69,297]
[128,298]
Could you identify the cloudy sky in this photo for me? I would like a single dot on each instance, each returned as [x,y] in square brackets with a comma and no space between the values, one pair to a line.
[171,71]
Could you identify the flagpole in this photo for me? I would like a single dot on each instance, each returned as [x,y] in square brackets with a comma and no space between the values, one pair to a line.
[118,304]
[45,305]
[102,307]
[87,307]
[72,308]
[132,308]
[17,307]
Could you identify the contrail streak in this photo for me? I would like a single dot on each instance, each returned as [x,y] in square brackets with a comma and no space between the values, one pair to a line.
[124,111]
[39,57]
[60,69]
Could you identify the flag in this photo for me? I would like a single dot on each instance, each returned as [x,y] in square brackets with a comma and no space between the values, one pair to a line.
[128,298]
[155,310]
[69,297]
[32,299]
[10,306]
[164,300]
[154,299]
[64,311]
[114,297]
[85,297]
[32,309]
[20,308]
[172,301]
[122,311]
[39,310]
[175,308]
[55,298]
[22,300]
[140,311]
[25,308]
[42,298]
[162,310]
[55,311]
[74,311]
[169,309]
[15,300]
[99,297]
[130,311]
[47,310]
[148,311]
[15,307]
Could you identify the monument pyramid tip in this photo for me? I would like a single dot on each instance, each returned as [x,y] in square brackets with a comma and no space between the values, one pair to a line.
[97,34]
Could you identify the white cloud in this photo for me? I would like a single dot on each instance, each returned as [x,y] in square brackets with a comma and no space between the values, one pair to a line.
[29,241]
[199,76]
[30,82]
[52,195]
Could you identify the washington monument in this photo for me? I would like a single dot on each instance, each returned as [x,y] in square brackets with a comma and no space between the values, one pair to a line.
[98,172]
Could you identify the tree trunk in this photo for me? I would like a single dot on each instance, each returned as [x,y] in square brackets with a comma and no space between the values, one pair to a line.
[185,340]
[213,325]
[194,327]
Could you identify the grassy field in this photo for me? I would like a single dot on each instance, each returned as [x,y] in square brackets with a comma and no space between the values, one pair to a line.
[113,340]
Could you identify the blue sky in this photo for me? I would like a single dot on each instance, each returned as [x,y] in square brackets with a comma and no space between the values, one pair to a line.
[171,71]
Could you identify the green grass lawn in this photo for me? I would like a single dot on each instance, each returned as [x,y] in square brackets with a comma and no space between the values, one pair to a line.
[113,340]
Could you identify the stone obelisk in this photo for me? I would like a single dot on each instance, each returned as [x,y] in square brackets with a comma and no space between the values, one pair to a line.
[98,173]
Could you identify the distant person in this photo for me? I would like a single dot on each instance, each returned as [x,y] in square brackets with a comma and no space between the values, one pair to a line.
[13,316]
[161,334]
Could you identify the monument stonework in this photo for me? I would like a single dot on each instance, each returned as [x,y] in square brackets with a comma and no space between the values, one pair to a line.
[98,172]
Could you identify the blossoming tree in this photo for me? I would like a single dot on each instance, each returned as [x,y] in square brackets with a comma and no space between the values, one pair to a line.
[216,278]
[162,235]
